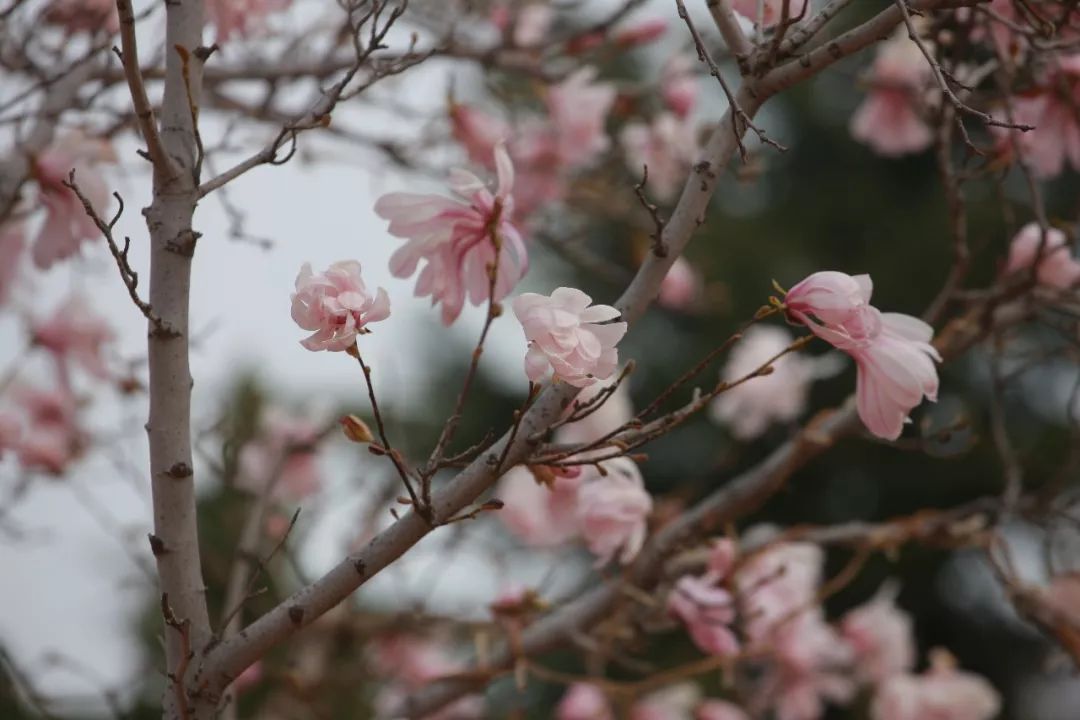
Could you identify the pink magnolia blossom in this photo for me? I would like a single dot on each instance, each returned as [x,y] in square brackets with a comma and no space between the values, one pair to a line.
[336,305]
[708,611]
[775,584]
[50,440]
[880,635]
[479,133]
[578,108]
[12,245]
[74,332]
[748,409]
[681,287]
[812,665]
[1050,108]
[567,335]
[679,85]
[540,515]
[640,33]
[942,693]
[1057,267]
[83,15]
[720,710]
[241,18]
[672,703]
[282,455]
[584,701]
[66,224]
[772,10]
[612,511]
[458,239]
[888,120]
[532,24]
[667,146]
[892,352]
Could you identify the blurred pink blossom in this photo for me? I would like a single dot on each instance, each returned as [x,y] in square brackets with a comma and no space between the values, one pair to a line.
[720,710]
[584,701]
[50,440]
[679,85]
[941,693]
[888,120]
[812,665]
[532,24]
[541,515]
[567,335]
[708,611]
[284,455]
[668,146]
[780,397]
[1050,108]
[578,108]
[681,287]
[10,432]
[408,663]
[640,33]
[478,132]
[613,510]
[772,10]
[66,224]
[880,634]
[241,18]
[83,15]
[12,245]
[892,352]
[775,584]
[1058,268]
[249,678]
[336,305]
[74,332]
[458,239]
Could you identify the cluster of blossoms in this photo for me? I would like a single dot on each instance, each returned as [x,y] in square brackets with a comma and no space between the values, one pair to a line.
[764,609]
[605,504]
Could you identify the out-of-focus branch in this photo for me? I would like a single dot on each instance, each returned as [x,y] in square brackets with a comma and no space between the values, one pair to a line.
[144,113]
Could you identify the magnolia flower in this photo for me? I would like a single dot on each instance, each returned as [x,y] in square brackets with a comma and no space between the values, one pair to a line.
[283,457]
[942,693]
[478,132]
[578,108]
[678,84]
[612,511]
[584,701]
[777,583]
[566,334]
[336,305]
[74,332]
[12,245]
[888,120]
[707,610]
[1057,267]
[748,409]
[892,352]
[67,225]
[880,635]
[667,146]
[1051,110]
[540,514]
[241,18]
[771,10]
[83,15]
[720,710]
[681,287]
[458,239]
